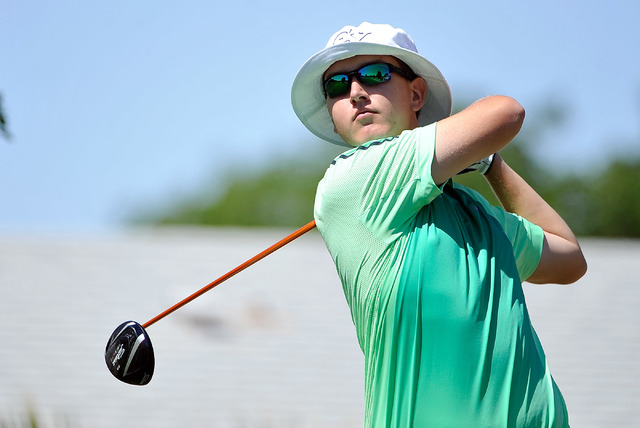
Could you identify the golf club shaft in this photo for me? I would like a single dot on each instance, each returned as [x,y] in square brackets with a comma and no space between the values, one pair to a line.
[304,229]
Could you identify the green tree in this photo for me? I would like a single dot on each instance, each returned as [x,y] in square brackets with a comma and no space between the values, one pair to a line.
[3,122]
[278,196]
[281,194]
[594,203]
[613,207]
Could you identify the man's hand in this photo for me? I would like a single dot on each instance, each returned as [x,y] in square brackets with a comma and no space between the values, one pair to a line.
[482,166]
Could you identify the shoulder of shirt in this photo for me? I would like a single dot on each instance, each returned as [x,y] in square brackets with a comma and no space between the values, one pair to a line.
[365,146]
[374,143]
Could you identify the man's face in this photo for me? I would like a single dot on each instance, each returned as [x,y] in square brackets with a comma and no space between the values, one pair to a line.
[367,113]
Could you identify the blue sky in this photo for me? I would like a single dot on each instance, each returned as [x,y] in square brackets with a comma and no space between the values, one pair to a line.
[120,104]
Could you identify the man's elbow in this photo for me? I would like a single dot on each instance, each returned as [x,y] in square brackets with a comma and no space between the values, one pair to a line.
[565,265]
[510,114]
[572,270]
[579,270]
[514,115]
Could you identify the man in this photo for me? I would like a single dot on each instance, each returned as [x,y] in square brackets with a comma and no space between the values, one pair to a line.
[431,272]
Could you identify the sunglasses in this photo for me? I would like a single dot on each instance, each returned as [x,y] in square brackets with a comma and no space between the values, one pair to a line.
[369,75]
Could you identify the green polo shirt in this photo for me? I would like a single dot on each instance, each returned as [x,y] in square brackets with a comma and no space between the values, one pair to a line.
[432,275]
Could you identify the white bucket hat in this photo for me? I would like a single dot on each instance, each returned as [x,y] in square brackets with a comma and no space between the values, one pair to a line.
[307,95]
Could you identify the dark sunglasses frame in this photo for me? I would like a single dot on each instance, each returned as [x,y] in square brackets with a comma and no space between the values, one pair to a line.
[407,74]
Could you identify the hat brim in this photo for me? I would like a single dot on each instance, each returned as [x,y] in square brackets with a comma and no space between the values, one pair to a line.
[309,103]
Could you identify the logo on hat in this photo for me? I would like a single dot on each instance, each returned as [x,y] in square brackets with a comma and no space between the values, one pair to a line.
[350,36]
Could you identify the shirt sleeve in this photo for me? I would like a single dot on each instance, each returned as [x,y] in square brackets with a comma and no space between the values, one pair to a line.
[527,239]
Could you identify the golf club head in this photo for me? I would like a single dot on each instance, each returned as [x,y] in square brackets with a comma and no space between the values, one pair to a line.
[129,354]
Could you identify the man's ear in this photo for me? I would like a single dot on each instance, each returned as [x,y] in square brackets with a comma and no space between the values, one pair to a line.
[418,93]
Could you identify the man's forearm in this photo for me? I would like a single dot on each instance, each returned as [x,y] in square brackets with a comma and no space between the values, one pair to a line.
[518,197]
[562,260]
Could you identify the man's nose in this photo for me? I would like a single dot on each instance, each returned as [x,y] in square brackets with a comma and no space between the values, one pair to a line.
[357,92]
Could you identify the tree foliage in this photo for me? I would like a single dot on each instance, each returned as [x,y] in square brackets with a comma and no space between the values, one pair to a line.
[606,203]
[609,203]
[4,131]
[594,203]
[280,195]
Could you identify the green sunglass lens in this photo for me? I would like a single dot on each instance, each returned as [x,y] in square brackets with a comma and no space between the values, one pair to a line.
[375,74]
[337,85]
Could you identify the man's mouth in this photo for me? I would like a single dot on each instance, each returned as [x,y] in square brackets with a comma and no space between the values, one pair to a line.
[362,113]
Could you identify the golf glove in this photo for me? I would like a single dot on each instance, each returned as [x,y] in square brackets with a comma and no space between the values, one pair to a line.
[482,166]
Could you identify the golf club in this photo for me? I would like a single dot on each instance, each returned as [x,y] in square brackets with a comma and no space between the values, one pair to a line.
[129,353]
